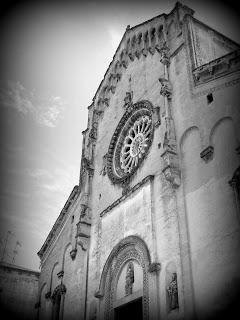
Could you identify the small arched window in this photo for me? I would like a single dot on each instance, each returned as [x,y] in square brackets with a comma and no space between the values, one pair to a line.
[235,184]
[58,301]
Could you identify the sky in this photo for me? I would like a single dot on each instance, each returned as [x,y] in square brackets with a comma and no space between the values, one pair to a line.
[53,57]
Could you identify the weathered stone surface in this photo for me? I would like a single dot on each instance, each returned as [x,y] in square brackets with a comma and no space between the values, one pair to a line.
[19,292]
[178,210]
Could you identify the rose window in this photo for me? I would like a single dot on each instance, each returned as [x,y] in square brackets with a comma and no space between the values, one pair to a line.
[135,144]
[130,142]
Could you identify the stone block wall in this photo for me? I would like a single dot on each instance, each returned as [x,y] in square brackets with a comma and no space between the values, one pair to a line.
[18,292]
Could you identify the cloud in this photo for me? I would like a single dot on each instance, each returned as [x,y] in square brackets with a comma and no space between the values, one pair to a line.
[38,173]
[45,110]
[115,37]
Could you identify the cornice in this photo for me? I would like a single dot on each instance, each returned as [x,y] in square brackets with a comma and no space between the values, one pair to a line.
[122,198]
[59,222]
[10,267]
[217,68]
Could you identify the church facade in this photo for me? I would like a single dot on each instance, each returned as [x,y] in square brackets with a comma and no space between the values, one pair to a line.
[152,231]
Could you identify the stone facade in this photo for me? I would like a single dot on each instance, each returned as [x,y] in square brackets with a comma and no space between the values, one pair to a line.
[153,227]
[18,292]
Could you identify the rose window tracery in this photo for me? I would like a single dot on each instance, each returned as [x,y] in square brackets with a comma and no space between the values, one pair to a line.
[130,142]
[135,144]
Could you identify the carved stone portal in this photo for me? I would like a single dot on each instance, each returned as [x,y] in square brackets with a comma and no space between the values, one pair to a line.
[129,279]
[125,253]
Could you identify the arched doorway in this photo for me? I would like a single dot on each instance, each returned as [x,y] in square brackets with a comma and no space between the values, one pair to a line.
[124,285]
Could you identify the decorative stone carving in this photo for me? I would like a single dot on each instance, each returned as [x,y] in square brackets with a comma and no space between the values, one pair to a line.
[172,291]
[171,168]
[105,102]
[87,166]
[166,88]
[118,76]
[124,58]
[128,100]
[124,64]
[131,56]
[207,154]
[93,131]
[83,228]
[130,142]
[73,253]
[48,295]
[104,165]
[60,274]
[154,267]
[135,143]
[98,294]
[83,241]
[157,117]
[164,54]
[129,279]
[151,49]
[112,88]
[126,187]
[84,209]
[144,52]
[85,213]
[59,290]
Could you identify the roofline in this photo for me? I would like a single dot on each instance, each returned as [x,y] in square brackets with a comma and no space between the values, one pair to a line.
[93,99]
[55,227]
[126,31]
[177,4]
[19,268]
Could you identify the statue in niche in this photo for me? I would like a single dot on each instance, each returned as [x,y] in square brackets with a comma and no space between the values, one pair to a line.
[166,88]
[128,98]
[172,291]
[129,279]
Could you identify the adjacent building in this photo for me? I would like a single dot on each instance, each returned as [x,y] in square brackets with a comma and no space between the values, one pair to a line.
[18,292]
